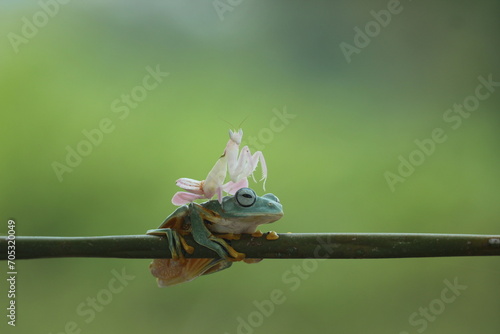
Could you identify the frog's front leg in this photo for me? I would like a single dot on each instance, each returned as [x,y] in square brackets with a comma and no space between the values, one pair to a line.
[175,241]
[204,237]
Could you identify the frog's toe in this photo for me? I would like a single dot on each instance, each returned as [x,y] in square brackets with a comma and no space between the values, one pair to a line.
[257,234]
[272,235]
[236,256]
[239,256]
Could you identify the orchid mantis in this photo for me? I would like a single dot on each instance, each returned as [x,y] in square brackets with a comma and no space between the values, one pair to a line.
[239,166]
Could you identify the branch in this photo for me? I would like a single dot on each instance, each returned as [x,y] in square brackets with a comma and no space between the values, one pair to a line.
[288,246]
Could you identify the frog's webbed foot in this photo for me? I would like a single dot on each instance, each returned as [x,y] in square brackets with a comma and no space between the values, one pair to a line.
[176,242]
[204,237]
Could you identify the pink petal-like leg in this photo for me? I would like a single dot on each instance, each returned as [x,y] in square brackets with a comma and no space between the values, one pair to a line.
[181,198]
[193,186]
[231,187]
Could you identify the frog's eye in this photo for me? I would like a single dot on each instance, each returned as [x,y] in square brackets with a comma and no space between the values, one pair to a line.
[245,197]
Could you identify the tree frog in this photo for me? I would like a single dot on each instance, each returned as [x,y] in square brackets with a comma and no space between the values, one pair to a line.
[209,223]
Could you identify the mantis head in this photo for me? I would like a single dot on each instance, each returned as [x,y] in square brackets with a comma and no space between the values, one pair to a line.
[236,136]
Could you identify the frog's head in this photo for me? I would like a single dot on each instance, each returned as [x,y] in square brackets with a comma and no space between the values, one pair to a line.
[246,204]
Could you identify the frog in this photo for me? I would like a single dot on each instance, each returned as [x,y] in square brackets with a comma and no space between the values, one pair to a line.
[212,224]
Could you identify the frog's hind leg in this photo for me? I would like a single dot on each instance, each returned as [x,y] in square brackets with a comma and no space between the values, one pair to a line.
[204,237]
[175,241]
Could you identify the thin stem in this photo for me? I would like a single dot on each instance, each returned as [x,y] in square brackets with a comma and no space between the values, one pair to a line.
[288,246]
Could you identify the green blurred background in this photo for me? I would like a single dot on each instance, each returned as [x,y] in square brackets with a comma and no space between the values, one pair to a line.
[249,61]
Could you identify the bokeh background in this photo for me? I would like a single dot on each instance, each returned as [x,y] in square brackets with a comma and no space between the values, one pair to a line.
[349,123]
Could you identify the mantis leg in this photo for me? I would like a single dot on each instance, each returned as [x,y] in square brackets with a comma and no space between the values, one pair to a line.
[245,165]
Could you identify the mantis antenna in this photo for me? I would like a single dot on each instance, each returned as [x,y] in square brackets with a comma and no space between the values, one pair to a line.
[232,125]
